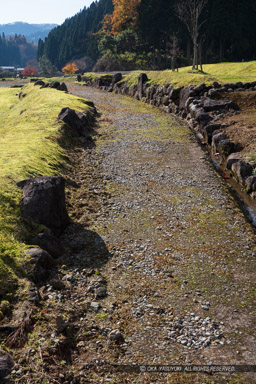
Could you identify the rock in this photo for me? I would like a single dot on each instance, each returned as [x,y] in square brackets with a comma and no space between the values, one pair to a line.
[185,93]
[95,306]
[54,84]
[40,82]
[141,80]
[62,87]
[40,263]
[241,171]
[166,101]
[100,293]
[175,93]
[79,78]
[104,81]
[233,158]
[78,122]
[209,130]
[116,78]
[49,243]
[212,92]
[202,117]
[6,365]
[225,147]
[116,336]
[210,105]
[44,202]
[250,184]
[216,139]
[216,85]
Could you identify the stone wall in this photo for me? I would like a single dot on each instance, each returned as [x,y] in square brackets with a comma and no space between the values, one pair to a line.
[198,106]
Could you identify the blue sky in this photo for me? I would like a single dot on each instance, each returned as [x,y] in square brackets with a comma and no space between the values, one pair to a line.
[42,11]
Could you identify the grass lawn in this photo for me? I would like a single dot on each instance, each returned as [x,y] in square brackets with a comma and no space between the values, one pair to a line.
[29,148]
[223,73]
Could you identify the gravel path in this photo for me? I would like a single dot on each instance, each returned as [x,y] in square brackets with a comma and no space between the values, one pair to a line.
[160,263]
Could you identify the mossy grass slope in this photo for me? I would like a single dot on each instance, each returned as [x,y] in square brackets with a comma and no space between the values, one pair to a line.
[29,147]
[222,72]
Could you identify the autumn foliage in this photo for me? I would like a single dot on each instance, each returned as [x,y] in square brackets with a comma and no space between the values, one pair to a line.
[70,68]
[29,70]
[124,15]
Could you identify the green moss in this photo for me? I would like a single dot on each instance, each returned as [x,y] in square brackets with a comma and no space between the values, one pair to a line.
[29,147]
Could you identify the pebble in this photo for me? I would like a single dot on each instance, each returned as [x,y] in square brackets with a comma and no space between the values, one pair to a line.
[194,332]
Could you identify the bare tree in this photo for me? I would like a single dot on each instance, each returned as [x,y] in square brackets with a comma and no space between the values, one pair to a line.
[189,12]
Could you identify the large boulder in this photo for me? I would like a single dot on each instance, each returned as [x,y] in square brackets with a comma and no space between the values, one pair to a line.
[40,264]
[202,117]
[217,105]
[62,87]
[116,78]
[185,93]
[142,79]
[241,170]
[209,130]
[217,139]
[77,122]
[49,243]
[40,82]
[232,159]
[44,202]
[226,147]
[175,94]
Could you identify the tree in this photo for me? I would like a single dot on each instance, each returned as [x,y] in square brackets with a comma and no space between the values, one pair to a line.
[174,50]
[46,67]
[29,71]
[70,68]
[124,15]
[189,12]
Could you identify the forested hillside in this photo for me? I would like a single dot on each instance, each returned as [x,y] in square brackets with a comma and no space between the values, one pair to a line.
[74,38]
[16,51]
[150,34]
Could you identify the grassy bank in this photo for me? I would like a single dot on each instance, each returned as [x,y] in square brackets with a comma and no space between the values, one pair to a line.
[29,147]
[223,73]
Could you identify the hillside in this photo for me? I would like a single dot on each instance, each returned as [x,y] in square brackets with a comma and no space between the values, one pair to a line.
[16,51]
[154,34]
[32,32]
[74,38]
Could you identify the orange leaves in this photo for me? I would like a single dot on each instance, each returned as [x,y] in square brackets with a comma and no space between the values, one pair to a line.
[124,15]
[70,68]
[29,70]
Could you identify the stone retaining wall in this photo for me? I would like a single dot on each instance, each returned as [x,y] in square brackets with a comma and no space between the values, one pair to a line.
[198,106]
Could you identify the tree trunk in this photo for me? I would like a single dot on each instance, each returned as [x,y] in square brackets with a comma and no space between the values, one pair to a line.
[159,58]
[200,54]
[188,54]
[195,56]
[154,57]
[221,51]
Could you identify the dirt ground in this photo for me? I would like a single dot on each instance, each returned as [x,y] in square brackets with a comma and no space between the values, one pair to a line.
[242,127]
[159,263]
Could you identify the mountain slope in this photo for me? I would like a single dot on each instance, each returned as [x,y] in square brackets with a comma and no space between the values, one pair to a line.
[74,38]
[32,32]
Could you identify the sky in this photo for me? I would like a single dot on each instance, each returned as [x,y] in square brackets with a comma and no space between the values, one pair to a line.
[40,11]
